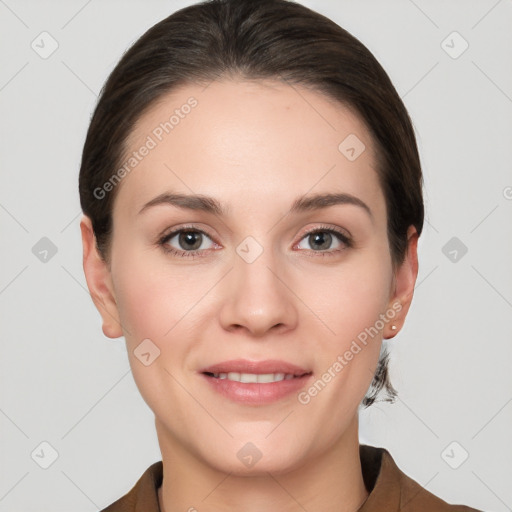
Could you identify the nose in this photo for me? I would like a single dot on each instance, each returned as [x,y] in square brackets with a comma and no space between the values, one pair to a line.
[257,298]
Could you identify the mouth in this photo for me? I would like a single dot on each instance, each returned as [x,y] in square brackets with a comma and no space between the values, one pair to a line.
[255,378]
[255,382]
[244,370]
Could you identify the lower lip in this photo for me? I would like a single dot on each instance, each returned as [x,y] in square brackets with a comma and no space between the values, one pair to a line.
[253,393]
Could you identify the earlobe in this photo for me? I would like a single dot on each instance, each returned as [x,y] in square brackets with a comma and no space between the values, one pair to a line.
[404,283]
[99,281]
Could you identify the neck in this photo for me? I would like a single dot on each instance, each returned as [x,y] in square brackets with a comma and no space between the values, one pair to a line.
[331,482]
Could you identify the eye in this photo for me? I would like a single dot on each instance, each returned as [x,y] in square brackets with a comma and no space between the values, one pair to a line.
[320,239]
[190,242]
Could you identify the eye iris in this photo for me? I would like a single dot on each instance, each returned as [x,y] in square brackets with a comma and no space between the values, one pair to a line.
[190,237]
[191,240]
[323,238]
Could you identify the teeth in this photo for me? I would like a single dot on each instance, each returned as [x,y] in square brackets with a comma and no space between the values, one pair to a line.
[253,377]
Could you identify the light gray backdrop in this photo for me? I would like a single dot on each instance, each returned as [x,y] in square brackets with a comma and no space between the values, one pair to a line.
[65,385]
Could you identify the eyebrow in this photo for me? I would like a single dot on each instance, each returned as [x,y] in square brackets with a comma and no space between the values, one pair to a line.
[211,205]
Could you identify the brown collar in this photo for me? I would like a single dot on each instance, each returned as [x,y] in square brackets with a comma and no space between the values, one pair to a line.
[390,490]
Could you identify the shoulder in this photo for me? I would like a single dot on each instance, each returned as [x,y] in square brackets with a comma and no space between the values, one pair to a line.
[392,490]
[143,497]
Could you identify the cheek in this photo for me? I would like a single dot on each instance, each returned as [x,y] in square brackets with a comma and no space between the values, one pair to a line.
[351,298]
[150,306]
[151,296]
[352,307]
[145,305]
[156,301]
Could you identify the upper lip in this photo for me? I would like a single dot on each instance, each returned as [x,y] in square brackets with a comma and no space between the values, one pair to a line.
[257,367]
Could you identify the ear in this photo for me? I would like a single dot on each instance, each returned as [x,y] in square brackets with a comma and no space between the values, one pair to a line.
[99,281]
[404,280]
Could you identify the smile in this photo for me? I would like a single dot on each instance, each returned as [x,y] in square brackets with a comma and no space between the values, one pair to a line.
[259,378]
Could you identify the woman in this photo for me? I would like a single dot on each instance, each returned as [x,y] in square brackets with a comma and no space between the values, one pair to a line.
[252,198]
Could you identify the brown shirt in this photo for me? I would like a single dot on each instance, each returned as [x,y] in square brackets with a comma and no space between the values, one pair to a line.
[390,490]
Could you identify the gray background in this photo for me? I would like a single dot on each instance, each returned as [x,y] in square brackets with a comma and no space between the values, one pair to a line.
[64,383]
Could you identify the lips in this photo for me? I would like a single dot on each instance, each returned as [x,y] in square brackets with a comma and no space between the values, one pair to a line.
[255,383]
[244,366]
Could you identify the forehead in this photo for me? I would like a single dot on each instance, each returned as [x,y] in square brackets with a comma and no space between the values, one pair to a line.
[248,142]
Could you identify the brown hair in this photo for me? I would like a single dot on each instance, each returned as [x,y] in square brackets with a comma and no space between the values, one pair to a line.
[256,39]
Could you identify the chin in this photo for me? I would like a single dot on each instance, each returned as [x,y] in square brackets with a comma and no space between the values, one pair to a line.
[254,458]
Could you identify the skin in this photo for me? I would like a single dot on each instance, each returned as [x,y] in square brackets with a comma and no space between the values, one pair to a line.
[255,146]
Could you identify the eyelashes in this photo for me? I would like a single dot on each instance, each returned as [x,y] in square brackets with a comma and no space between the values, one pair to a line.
[187,232]
[343,239]
[193,236]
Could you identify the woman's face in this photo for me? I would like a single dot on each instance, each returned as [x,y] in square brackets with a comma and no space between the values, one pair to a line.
[245,280]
